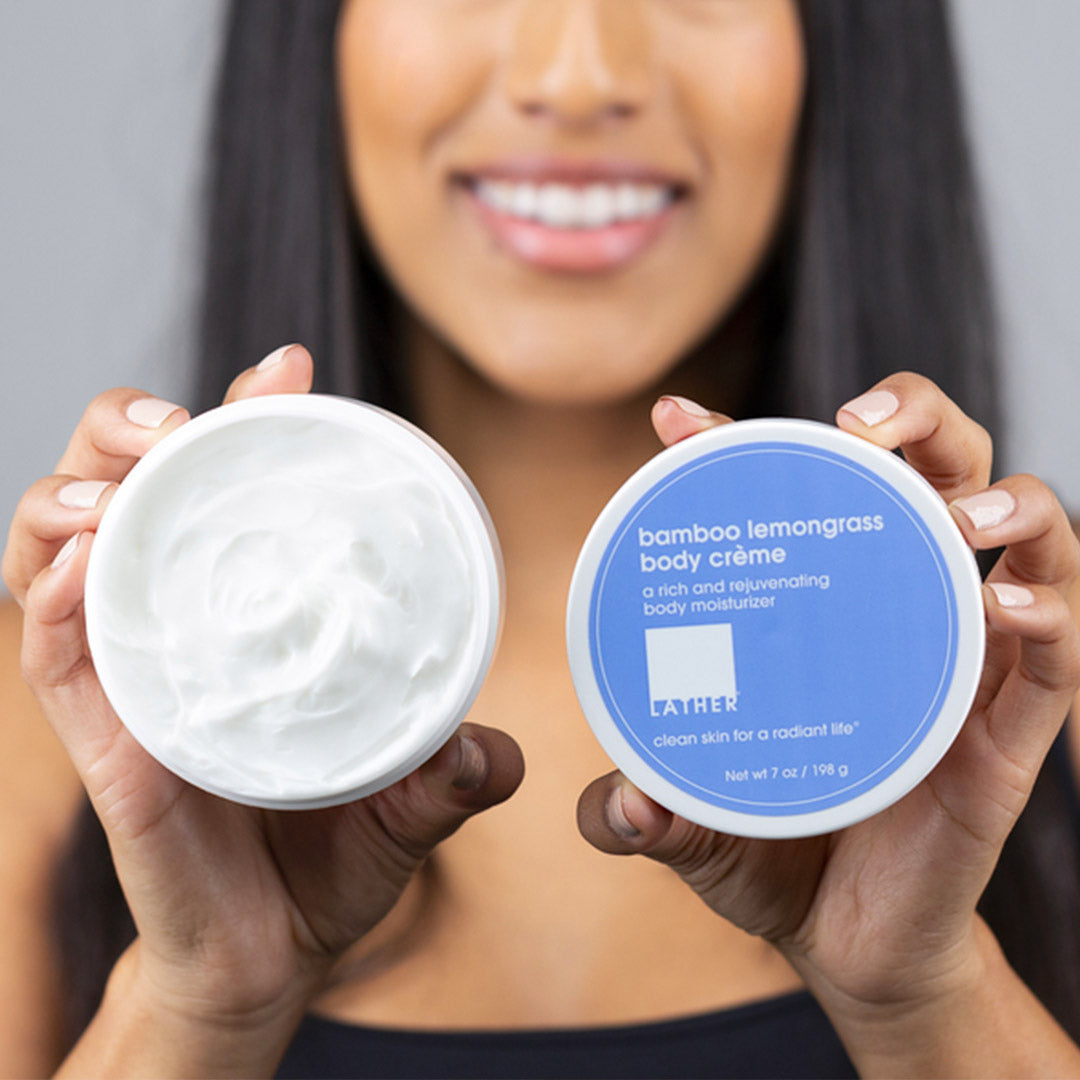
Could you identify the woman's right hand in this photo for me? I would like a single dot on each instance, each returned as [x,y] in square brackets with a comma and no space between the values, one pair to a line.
[240,912]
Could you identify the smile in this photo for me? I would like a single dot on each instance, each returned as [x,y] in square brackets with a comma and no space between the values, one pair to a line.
[566,206]
[572,217]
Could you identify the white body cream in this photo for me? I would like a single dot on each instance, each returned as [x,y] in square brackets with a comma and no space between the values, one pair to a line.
[292,601]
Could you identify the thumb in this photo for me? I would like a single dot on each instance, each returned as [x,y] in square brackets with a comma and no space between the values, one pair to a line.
[347,865]
[477,768]
[618,818]
[763,886]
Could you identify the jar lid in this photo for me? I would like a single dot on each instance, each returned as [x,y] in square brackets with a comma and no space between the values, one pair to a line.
[293,600]
[775,628]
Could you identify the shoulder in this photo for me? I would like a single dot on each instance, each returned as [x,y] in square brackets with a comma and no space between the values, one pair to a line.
[35,773]
[39,792]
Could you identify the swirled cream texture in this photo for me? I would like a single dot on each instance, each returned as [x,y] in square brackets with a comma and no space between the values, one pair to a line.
[296,604]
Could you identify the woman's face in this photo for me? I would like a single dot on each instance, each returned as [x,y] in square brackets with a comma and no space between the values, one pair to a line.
[570,193]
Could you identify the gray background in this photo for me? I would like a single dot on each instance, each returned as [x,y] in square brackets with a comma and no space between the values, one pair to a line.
[102,110]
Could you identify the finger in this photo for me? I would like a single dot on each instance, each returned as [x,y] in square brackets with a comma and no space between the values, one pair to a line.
[477,768]
[288,370]
[1034,697]
[763,886]
[48,515]
[55,660]
[57,665]
[1021,514]
[676,418]
[118,427]
[937,438]
[618,818]
[54,644]
[381,841]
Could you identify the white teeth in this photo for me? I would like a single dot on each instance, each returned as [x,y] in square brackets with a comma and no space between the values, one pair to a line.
[597,205]
[524,200]
[563,206]
[654,201]
[626,201]
[557,206]
[500,196]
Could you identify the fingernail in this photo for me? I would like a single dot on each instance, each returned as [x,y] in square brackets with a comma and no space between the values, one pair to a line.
[274,358]
[150,412]
[873,407]
[472,767]
[988,509]
[615,812]
[66,551]
[691,408]
[81,494]
[1010,596]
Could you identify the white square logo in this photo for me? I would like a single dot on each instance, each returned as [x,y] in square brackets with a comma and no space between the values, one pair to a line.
[690,662]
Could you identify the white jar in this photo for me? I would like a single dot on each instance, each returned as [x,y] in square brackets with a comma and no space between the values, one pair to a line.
[775,628]
[293,600]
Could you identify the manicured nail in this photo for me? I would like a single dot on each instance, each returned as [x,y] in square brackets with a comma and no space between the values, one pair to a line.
[273,359]
[873,407]
[150,412]
[81,494]
[987,509]
[472,767]
[66,551]
[1010,596]
[691,408]
[615,812]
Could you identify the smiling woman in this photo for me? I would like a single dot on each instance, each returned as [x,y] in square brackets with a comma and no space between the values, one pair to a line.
[479,171]
[521,222]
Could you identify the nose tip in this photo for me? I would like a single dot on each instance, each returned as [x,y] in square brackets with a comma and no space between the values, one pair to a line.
[578,110]
[579,61]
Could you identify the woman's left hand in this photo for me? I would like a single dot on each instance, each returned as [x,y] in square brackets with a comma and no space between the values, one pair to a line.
[879,918]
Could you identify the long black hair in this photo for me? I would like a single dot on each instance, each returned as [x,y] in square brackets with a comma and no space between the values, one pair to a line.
[878,268]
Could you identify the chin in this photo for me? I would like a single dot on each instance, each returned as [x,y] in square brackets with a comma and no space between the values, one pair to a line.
[577,382]
[587,369]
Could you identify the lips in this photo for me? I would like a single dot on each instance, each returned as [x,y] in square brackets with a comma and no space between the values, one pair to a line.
[575,217]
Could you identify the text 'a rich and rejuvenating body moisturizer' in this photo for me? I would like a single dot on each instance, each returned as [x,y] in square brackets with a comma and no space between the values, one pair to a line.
[775,628]
[292,600]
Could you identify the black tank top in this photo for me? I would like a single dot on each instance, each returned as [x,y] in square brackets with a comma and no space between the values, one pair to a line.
[787,1036]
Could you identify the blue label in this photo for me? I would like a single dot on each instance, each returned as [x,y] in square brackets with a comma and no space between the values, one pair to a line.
[773,629]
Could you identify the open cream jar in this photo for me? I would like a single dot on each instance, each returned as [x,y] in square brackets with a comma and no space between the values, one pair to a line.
[293,600]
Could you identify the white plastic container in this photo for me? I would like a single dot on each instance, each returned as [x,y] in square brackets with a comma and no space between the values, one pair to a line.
[293,600]
[775,628]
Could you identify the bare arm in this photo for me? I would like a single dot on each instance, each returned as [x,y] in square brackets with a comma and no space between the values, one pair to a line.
[1026,1039]
[38,794]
